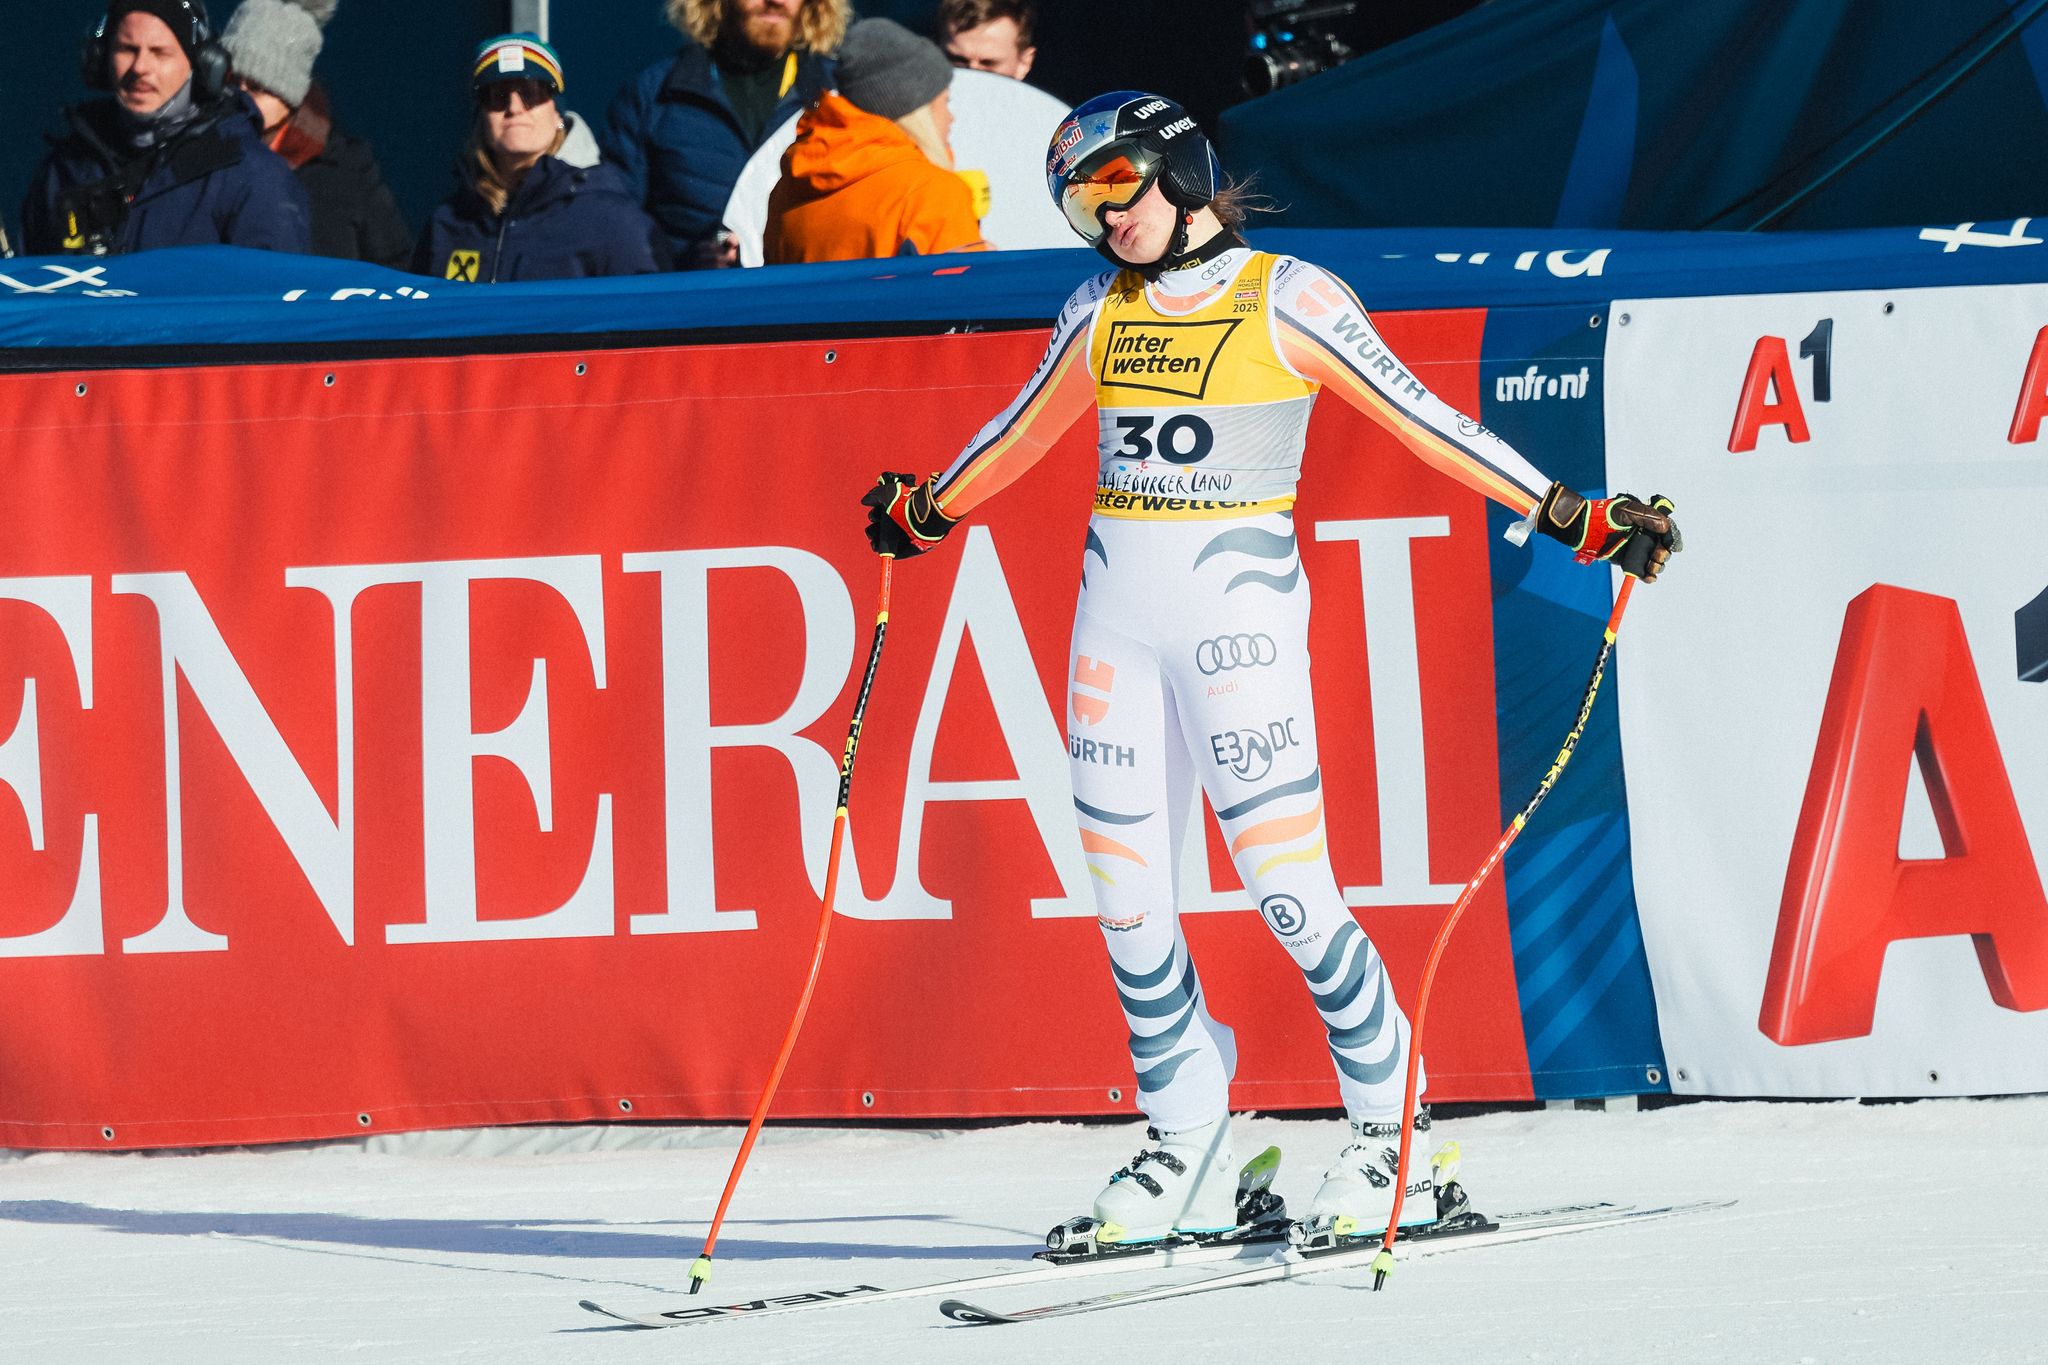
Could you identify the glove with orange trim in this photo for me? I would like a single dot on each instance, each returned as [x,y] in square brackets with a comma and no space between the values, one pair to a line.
[1637,535]
[903,519]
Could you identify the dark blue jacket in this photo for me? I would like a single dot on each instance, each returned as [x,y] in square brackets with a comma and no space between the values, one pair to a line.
[675,136]
[565,222]
[212,184]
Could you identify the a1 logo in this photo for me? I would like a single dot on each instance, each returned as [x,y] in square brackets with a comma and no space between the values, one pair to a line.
[1905,691]
[1770,390]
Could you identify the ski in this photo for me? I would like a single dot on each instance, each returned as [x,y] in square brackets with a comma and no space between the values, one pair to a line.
[1287,1265]
[1072,1252]
[1176,1254]
[1164,1257]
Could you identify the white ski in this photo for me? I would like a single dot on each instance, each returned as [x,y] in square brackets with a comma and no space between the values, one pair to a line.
[1288,1265]
[682,1311]
[686,1310]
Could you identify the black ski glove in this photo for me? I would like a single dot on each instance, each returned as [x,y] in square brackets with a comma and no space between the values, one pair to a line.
[903,520]
[1635,534]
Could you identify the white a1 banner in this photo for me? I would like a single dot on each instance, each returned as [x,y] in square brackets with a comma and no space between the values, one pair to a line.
[1835,706]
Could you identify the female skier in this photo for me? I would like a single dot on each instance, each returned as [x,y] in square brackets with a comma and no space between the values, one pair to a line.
[1202,358]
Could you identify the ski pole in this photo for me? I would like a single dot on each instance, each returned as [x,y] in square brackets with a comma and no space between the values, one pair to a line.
[700,1270]
[1383,1264]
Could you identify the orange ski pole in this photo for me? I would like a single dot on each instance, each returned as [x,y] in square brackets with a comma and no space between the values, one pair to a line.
[1383,1264]
[700,1269]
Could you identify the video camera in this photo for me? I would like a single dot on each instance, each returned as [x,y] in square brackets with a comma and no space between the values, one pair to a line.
[1292,40]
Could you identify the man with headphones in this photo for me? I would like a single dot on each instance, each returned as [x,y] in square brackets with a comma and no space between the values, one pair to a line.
[169,157]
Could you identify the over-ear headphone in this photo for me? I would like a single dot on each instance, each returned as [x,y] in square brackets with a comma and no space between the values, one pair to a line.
[210,61]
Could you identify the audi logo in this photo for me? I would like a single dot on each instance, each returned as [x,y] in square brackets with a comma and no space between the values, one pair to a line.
[1226,652]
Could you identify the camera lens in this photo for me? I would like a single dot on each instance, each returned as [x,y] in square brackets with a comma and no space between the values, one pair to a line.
[1268,68]
[1262,74]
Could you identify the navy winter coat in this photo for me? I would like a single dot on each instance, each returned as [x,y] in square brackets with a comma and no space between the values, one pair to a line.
[565,222]
[675,136]
[212,184]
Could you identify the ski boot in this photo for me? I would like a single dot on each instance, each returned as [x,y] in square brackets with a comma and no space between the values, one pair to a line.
[1174,1193]
[1357,1196]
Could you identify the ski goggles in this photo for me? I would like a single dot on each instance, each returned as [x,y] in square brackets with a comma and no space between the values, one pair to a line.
[1115,181]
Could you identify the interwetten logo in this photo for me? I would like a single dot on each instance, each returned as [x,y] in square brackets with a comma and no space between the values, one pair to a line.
[1165,357]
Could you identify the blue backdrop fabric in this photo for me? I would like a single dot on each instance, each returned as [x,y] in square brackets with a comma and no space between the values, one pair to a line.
[1667,114]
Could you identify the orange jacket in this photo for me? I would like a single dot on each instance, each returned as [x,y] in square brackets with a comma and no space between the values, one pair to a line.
[854,186]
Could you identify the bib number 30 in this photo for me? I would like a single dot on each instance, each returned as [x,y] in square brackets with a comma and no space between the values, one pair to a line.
[1183,439]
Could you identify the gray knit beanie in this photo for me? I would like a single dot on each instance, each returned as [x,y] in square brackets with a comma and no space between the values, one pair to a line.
[273,44]
[887,70]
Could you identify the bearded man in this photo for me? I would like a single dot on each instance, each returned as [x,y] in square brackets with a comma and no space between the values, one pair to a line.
[682,130]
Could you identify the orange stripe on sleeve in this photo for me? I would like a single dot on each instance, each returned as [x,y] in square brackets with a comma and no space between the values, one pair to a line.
[1065,395]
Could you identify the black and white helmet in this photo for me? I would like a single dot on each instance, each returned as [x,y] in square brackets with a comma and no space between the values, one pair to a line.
[1111,150]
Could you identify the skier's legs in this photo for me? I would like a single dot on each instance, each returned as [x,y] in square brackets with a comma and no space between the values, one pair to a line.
[1249,718]
[1130,780]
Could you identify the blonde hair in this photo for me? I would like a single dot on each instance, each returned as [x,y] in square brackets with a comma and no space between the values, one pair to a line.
[480,164]
[923,127]
[820,24]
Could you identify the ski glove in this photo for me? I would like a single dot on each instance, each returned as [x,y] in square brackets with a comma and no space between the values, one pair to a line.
[1637,535]
[903,519]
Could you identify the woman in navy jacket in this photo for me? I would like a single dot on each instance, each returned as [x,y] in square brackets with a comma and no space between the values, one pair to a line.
[534,202]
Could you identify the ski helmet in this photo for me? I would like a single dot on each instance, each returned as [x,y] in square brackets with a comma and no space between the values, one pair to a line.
[1108,152]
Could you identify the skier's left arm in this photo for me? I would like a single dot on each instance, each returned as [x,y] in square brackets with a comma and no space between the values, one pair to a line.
[1325,334]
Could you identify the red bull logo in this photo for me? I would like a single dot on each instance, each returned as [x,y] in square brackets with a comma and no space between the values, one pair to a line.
[1063,142]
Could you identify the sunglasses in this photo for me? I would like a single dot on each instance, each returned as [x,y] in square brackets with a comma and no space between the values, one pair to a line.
[1117,182]
[497,96]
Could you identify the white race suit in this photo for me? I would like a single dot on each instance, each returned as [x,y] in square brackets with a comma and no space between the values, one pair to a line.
[1190,639]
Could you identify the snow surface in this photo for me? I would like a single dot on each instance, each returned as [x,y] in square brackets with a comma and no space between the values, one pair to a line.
[1888,1232]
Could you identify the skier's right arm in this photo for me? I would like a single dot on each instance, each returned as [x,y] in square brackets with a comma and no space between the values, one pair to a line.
[907,516]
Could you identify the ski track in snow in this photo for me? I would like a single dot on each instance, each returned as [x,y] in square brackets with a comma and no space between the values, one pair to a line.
[1864,1233]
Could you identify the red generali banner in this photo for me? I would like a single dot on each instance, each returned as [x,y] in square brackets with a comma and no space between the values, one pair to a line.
[437,742]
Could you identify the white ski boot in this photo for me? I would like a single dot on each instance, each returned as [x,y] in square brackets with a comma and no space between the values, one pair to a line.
[1357,1194]
[1261,1216]
[1184,1182]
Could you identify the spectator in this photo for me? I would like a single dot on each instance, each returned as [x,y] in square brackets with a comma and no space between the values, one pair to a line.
[272,44]
[989,35]
[171,158]
[534,203]
[870,172]
[683,129]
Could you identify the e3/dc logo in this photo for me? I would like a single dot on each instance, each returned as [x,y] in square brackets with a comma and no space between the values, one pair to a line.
[1284,913]
[1249,753]
[1226,652]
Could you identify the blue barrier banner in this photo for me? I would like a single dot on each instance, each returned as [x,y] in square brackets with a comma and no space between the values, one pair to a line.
[213,297]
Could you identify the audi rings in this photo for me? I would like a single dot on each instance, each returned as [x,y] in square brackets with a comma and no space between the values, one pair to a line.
[1227,652]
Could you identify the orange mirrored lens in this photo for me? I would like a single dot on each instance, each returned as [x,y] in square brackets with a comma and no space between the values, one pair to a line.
[1115,184]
